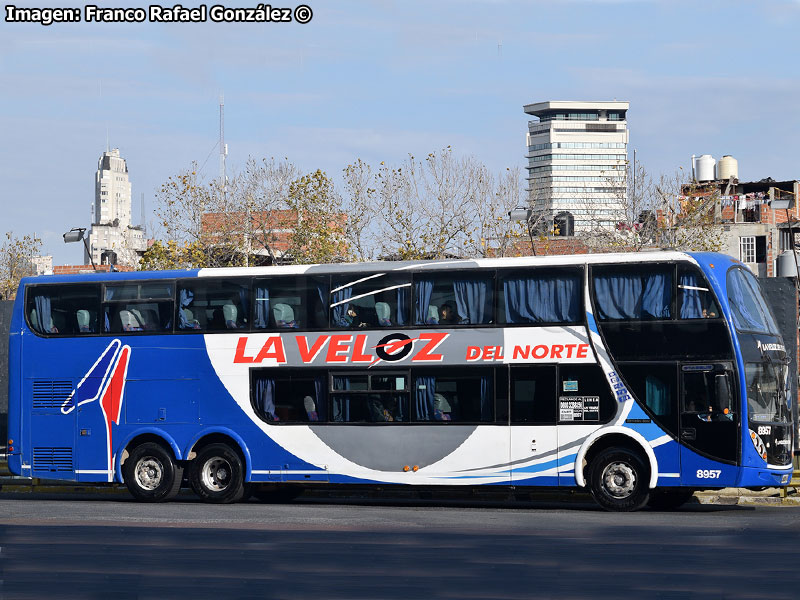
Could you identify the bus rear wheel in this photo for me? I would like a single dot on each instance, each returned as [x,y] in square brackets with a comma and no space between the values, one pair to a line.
[217,475]
[618,480]
[151,474]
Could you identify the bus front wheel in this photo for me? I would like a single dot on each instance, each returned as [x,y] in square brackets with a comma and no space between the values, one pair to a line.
[151,474]
[217,475]
[618,480]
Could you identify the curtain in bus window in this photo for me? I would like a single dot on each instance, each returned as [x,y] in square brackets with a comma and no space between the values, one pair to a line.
[541,300]
[319,392]
[424,293]
[402,305]
[340,306]
[426,387]
[43,315]
[265,398]
[109,296]
[657,395]
[691,303]
[341,404]
[486,403]
[244,302]
[623,296]
[657,295]
[471,300]
[262,307]
[185,320]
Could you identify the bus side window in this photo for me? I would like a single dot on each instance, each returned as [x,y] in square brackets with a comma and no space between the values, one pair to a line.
[213,305]
[695,298]
[133,307]
[63,310]
[445,299]
[584,395]
[361,301]
[540,296]
[633,292]
[294,302]
[533,395]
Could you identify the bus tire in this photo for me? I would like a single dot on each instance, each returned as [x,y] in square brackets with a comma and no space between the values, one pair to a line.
[151,474]
[669,499]
[619,479]
[217,475]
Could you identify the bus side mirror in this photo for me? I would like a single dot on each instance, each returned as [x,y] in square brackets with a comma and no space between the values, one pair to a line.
[722,388]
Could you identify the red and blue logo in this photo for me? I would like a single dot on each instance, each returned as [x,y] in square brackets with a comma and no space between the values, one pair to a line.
[105,384]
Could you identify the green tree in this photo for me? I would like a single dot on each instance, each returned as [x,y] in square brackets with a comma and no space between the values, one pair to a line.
[16,262]
[319,228]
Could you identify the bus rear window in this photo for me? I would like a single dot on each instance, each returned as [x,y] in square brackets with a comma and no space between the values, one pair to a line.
[63,309]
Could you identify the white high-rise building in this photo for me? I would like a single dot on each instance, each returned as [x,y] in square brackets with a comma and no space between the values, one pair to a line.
[113,239]
[577,157]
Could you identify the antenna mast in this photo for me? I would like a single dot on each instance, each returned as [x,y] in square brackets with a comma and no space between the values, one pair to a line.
[223,149]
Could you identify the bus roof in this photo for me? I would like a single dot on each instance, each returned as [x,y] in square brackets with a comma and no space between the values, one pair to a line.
[332,268]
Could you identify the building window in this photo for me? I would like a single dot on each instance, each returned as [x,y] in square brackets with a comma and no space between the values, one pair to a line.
[747,249]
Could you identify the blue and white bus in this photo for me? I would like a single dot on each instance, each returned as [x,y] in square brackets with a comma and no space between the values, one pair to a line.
[642,377]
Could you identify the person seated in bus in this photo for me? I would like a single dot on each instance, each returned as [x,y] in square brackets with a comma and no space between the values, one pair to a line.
[354,319]
[448,315]
[380,409]
[217,321]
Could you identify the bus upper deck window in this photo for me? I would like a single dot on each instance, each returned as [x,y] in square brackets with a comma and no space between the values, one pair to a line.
[453,299]
[634,292]
[64,310]
[695,298]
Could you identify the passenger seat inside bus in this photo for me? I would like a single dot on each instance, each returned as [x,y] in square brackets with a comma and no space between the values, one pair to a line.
[38,326]
[129,321]
[284,315]
[433,315]
[229,312]
[84,321]
[384,314]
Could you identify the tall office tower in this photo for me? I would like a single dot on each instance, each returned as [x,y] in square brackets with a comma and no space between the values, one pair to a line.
[577,154]
[113,239]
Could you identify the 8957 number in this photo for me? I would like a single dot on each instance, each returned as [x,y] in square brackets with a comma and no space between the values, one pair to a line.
[708,474]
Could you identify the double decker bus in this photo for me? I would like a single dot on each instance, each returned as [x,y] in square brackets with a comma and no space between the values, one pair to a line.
[642,377]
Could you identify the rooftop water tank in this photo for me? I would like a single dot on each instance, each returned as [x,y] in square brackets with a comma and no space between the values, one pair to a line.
[704,167]
[786,266]
[728,167]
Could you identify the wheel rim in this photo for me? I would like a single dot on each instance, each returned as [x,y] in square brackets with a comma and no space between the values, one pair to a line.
[619,479]
[149,473]
[216,474]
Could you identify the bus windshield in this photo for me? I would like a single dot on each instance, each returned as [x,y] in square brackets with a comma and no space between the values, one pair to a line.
[750,312]
[766,392]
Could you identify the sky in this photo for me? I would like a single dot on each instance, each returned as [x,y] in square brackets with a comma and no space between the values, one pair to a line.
[377,81]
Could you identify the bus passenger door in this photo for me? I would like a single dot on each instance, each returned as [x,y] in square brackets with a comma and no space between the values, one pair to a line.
[534,440]
[709,425]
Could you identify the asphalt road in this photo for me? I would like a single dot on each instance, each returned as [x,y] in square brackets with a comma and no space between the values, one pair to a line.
[93,547]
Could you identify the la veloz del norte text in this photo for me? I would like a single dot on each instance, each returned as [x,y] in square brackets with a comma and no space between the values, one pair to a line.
[155,13]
